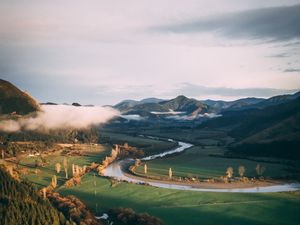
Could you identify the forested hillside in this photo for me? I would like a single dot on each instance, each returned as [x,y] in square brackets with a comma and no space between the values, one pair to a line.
[20,203]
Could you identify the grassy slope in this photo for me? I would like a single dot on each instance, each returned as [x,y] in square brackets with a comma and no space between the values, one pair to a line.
[193,208]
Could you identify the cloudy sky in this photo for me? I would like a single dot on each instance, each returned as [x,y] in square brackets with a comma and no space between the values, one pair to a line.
[101,52]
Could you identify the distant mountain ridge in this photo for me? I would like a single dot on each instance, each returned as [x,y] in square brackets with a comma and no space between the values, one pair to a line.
[220,105]
[250,103]
[127,104]
[156,106]
[273,130]
[13,99]
[190,106]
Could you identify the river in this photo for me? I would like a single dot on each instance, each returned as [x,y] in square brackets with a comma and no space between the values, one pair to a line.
[114,170]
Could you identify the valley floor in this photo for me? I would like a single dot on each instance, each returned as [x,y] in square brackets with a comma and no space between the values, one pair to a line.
[176,207]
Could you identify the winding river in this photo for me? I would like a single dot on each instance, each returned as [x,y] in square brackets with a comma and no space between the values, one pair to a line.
[114,170]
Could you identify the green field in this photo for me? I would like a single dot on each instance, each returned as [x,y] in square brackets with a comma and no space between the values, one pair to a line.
[187,207]
[197,162]
[177,207]
[44,177]
[90,155]
[149,146]
[201,137]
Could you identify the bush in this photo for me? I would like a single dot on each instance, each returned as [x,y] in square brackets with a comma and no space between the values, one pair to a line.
[127,216]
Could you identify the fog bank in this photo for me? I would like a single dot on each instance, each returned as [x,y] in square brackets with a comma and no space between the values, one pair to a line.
[53,117]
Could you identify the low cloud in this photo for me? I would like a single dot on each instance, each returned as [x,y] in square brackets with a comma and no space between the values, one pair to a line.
[53,117]
[134,117]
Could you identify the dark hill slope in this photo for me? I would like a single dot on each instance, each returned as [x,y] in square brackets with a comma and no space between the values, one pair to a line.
[271,131]
[13,99]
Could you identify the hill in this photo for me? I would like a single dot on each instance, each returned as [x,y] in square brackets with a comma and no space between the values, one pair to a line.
[180,104]
[270,131]
[128,104]
[220,105]
[249,103]
[275,100]
[13,99]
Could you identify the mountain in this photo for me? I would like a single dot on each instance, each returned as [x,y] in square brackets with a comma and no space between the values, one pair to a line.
[275,100]
[125,105]
[184,104]
[76,104]
[262,103]
[49,103]
[270,131]
[13,99]
[152,100]
[249,103]
[128,104]
[178,105]
[220,105]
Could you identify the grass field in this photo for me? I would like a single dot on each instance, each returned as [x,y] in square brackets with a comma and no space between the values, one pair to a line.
[177,207]
[194,136]
[149,146]
[91,154]
[197,162]
[188,207]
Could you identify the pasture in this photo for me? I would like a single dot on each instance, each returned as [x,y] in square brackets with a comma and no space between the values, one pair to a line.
[176,207]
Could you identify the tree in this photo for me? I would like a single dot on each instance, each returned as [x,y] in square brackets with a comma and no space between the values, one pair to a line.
[126,146]
[145,169]
[66,167]
[241,170]
[44,193]
[57,167]
[18,159]
[170,173]
[36,163]
[77,170]
[259,169]
[73,170]
[10,170]
[54,181]
[229,172]
[36,171]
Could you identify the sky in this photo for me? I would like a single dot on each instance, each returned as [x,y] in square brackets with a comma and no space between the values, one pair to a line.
[101,52]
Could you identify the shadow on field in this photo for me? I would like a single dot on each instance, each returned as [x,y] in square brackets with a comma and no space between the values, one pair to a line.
[261,209]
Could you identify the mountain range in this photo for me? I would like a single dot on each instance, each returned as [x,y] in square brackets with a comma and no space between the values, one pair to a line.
[193,107]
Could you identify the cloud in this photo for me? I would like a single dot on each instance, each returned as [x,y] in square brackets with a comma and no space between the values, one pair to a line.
[103,52]
[292,70]
[273,23]
[202,92]
[60,117]
[134,117]
[280,55]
